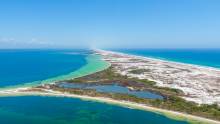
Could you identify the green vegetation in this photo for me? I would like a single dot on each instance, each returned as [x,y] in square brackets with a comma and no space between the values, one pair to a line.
[178,104]
[172,103]
[139,71]
[172,90]
[172,97]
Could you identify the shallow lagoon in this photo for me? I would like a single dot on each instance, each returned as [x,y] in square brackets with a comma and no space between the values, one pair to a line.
[60,110]
[113,88]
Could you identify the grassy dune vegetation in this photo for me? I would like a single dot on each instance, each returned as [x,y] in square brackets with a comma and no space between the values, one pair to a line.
[172,97]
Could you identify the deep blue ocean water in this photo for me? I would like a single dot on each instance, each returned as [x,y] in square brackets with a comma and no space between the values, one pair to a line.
[24,66]
[60,110]
[203,57]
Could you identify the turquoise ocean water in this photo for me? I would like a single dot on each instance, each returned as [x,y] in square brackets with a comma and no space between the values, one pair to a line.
[203,57]
[21,66]
[59,110]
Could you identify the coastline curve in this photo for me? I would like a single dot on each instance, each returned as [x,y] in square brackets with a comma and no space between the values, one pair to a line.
[95,63]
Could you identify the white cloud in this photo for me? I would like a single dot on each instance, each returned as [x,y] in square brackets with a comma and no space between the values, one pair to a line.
[6,40]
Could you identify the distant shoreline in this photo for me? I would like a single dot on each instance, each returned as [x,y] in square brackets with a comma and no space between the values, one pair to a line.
[163,60]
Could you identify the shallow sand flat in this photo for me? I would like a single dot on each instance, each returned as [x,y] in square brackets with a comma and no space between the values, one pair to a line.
[199,84]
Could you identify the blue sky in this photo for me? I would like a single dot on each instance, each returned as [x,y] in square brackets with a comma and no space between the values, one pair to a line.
[110,23]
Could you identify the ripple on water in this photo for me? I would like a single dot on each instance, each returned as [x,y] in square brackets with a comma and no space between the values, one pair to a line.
[60,110]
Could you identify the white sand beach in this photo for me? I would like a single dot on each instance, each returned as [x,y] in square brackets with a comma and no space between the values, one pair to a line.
[199,84]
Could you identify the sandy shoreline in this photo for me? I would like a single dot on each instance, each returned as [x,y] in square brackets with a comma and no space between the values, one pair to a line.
[172,114]
[199,84]
[158,59]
